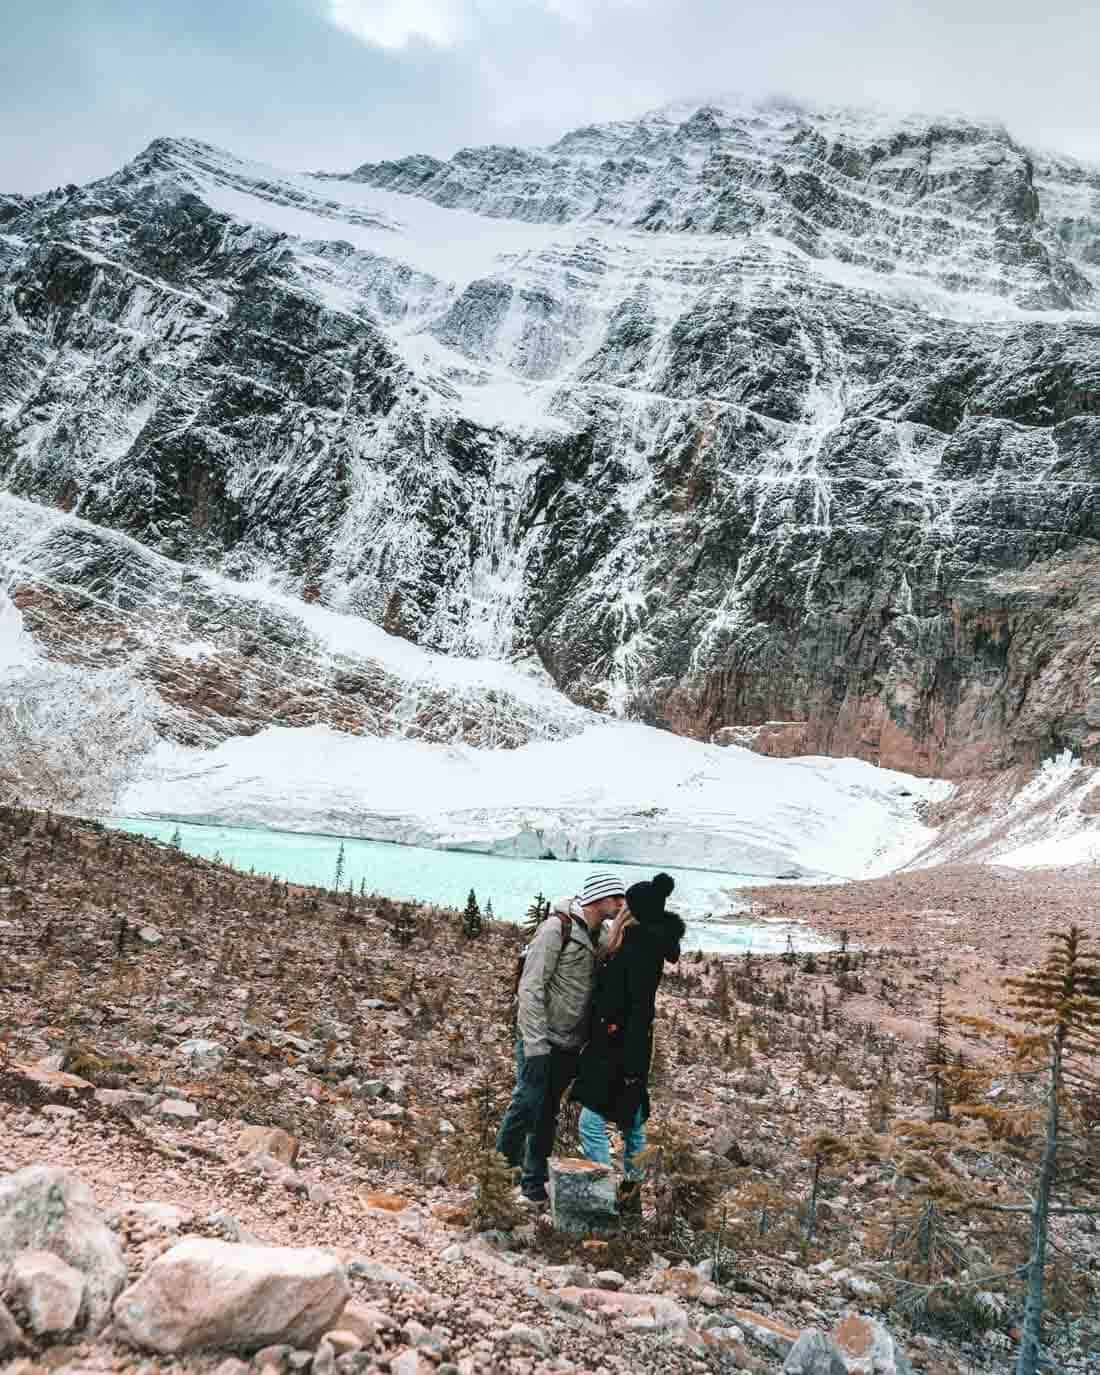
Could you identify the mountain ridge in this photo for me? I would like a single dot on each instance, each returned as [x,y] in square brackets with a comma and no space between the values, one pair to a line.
[810,444]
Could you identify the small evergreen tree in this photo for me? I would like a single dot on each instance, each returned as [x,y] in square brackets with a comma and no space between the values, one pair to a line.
[823,1150]
[685,1188]
[471,917]
[403,924]
[473,1157]
[537,913]
[721,999]
[338,878]
[177,840]
[937,1057]
[1055,1023]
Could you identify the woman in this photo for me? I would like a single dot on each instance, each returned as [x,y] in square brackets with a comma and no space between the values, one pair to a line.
[612,1078]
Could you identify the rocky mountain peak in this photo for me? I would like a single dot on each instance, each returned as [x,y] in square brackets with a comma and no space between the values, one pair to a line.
[730,414]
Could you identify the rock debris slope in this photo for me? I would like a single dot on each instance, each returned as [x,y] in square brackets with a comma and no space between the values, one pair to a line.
[732,416]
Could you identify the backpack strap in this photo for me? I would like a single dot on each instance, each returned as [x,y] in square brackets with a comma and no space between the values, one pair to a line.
[565,920]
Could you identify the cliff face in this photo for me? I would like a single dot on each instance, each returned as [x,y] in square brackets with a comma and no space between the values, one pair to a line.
[731,417]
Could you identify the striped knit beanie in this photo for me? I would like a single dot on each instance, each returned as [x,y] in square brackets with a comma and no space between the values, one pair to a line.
[602,885]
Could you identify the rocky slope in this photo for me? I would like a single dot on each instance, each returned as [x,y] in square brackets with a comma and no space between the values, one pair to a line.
[317,1080]
[729,416]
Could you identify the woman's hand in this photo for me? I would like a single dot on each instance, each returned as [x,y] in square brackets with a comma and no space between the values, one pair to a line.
[630,1100]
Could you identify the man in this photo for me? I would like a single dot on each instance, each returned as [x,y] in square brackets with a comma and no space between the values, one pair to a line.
[555,995]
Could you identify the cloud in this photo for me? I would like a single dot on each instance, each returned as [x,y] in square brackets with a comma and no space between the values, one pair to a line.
[334,83]
[395,24]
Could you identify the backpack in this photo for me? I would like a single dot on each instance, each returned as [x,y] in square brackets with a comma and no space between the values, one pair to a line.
[566,920]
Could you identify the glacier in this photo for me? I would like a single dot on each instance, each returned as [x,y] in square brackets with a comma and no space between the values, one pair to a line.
[618,792]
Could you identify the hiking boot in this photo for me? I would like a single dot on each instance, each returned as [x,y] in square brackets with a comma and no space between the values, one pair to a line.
[532,1198]
[629,1200]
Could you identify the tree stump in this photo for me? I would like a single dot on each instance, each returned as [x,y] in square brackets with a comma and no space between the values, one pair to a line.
[582,1196]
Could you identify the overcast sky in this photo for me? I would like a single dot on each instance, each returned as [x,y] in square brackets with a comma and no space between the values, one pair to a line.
[85,84]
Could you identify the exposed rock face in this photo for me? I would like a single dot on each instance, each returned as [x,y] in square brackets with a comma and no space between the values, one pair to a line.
[45,1208]
[730,416]
[213,1293]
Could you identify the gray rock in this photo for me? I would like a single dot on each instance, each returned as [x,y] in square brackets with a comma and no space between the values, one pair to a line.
[204,1293]
[610,1279]
[150,935]
[814,1354]
[526,1338]
[11,1338]
[324,1359]
[867,1347]
[582,1196]
[178,1111]
[47,1208]
[202,1054]
[47,1290]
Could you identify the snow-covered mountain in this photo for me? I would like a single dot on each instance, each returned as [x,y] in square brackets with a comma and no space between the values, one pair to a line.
[765,424]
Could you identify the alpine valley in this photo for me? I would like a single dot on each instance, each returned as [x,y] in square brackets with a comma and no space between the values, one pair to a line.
[773,426]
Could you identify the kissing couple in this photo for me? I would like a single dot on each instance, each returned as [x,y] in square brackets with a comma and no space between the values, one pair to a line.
[587,1000]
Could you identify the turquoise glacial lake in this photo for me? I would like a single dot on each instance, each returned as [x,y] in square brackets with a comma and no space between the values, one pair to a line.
[716,920]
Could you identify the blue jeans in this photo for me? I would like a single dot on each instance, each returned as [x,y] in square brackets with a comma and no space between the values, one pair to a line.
[595,1145]
[526,1135]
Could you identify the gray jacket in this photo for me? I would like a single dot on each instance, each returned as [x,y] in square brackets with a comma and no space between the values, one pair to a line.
[555,992]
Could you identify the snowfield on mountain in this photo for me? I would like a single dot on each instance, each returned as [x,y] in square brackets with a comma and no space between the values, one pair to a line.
[770,425]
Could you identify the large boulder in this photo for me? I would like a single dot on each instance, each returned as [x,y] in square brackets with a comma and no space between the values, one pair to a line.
[47,1290]
[46,1208]
[814,1354]
[868,1348]
[206,1293]
[582,1196]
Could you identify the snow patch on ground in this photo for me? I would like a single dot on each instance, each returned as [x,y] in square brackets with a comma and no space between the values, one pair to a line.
[1051,820]
[1046,821]
[616,792]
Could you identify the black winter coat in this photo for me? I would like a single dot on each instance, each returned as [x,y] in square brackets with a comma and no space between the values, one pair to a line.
[623,1009]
